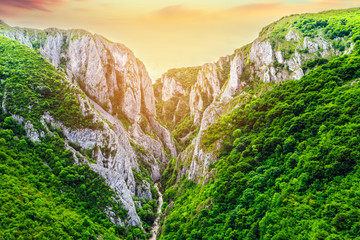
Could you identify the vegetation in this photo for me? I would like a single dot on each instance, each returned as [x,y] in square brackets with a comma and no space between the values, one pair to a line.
[167,111]
[31,86]
[44,195]
[288,168]
[186,75]
[147,213]
[185,132]
[313,63]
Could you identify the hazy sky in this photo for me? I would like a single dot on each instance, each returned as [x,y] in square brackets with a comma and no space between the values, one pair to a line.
[165,34]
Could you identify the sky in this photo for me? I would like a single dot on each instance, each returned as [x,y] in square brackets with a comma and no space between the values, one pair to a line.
[165,34]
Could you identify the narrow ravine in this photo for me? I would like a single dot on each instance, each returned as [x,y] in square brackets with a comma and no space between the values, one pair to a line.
[156,225]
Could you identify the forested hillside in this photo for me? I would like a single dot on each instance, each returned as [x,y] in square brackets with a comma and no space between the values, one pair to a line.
[44,194]
[269,137]
[289,162]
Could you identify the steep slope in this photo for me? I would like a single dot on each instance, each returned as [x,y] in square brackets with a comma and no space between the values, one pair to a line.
[49,137]
[109,74]
[284,50]
[249,164]
[289,168]
[63,128]
[183,94]
[132,147]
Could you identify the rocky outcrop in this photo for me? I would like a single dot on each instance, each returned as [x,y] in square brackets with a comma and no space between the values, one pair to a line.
[171,88]
[234,84]
[165,135]
[173,93]
[197,158]
[117,86]
[265,60]
[116,182]
[107,72]
[276,64]
[207,87]
[143,190]
[292,36]
[31,132]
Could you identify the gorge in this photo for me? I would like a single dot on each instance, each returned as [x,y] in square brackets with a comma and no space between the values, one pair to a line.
[198,152]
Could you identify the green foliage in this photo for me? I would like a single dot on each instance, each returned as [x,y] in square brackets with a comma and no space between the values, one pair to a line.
[167,110]
[313,63]
[168,177]
[342,26]
[147,213]
[288,53]
[224,73]
[182,129]
[33,86]
[43,194]
[186,75]
[337,24]
[288,168]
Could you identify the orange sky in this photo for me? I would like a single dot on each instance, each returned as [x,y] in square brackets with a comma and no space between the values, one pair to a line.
[165,34]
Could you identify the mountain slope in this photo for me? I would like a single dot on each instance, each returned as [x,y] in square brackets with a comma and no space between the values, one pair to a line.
[285,50]
[288,168]
[269,164]
[109,74]
[56,130]
[114,90]
[48,190]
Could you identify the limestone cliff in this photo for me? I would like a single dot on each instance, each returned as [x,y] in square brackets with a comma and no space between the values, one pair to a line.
[109,74]
[119,94]
[271,58]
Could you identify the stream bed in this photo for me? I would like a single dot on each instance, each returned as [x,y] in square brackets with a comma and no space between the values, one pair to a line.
[156,224]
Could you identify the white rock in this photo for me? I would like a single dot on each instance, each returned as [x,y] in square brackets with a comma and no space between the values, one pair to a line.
[261,52]
[171,88]
[292,36]
[234,83]
[31,132]
[279,57]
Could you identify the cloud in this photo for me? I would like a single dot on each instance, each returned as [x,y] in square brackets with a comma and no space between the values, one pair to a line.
[257,6]
[178,11]
[41,5]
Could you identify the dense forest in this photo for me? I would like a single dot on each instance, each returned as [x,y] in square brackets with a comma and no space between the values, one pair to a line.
[289,165]
[44,195]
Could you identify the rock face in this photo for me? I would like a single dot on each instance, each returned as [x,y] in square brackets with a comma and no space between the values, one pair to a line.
[234,83]
[196,158]
[107,72]
[119,94]
[264,60]
[172,93]
[171,88]
[205,89]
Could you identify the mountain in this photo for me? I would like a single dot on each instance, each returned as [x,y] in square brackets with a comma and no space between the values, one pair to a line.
[105,114]
[261,144]
[285,50]
[276,156]
[108,73]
